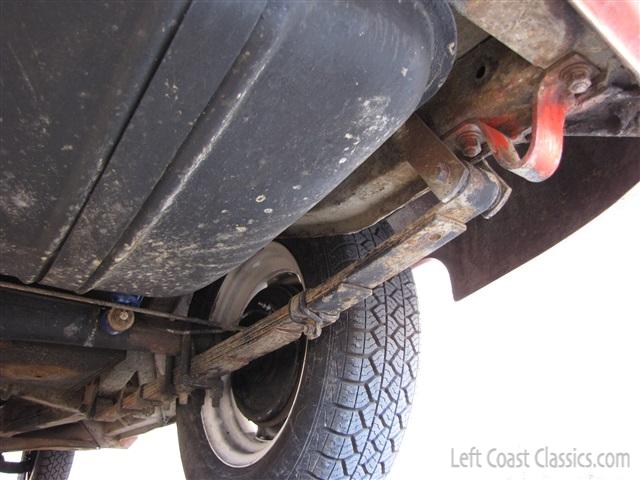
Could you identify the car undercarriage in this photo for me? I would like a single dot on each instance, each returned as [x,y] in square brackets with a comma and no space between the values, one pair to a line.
[204,205]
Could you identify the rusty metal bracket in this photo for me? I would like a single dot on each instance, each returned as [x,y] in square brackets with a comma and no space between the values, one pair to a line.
[438,166]
[444,173]
[555,97]
[312,321]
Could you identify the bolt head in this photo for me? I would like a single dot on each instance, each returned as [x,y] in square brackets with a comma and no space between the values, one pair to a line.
[120,320]
[577,78]
[469,143]
[579,85]
[472,150]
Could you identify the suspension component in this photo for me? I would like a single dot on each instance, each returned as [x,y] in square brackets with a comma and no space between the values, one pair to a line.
[118,320]
[555,97]
[469,191]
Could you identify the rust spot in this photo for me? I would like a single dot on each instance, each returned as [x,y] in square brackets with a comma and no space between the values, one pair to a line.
[15,372]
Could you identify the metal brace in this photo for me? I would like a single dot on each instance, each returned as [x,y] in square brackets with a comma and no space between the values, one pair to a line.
[555,98]
[313,321]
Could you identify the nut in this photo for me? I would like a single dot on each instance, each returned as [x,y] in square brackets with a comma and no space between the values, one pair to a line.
[577,78]
[470,143]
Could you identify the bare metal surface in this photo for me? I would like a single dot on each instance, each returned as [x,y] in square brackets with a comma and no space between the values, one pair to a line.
[504,190]
[493,83]
[278,330]
[125,432]
[381,185]
[147,337]
[595,172]
[241,284]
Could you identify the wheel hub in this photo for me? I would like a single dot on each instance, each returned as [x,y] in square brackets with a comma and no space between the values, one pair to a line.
[257,400]
[265,388]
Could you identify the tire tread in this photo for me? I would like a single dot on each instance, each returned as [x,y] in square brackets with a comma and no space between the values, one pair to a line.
[375,374]
[51,465]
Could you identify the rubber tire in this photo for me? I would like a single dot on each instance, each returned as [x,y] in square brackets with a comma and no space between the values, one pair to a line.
[356,389]
[50,465]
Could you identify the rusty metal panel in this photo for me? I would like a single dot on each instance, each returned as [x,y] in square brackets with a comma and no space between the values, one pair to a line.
[19,416]
[52,365]
[488,82]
